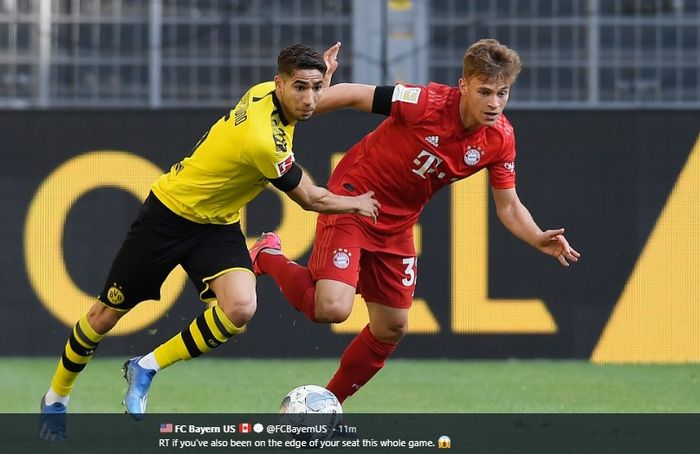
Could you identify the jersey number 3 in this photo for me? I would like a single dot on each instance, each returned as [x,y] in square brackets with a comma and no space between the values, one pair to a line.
[410,278]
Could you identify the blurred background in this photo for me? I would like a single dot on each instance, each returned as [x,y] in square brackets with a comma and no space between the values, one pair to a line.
[98,97]
[204,53]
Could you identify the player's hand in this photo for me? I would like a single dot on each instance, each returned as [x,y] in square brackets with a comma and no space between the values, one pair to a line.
[554,244]
[368,205]
[330,57]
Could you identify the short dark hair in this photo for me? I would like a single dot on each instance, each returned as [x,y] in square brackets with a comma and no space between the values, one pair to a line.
[299,56]
[492,61]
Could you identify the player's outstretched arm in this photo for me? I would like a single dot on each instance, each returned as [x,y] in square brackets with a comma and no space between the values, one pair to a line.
[518,220]
[315,198]
[339,96]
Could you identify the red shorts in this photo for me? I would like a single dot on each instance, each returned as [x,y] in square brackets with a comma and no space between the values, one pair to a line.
[383,268]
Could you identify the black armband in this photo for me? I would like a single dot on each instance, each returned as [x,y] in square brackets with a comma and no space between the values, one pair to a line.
[381,103]
[290,180]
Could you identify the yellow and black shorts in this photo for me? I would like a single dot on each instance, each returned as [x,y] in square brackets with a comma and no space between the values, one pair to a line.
[157,242]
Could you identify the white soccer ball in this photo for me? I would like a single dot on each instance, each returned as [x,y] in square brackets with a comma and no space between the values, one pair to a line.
[312,411]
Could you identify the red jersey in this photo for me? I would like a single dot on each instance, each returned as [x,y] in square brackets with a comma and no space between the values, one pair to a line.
[420,148]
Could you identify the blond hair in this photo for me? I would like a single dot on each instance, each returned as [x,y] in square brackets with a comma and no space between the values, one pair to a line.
[491,61]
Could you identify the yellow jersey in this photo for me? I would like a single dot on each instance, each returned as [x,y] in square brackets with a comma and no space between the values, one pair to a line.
[233,161]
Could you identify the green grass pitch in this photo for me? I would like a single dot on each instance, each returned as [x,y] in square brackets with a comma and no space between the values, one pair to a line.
[206,385]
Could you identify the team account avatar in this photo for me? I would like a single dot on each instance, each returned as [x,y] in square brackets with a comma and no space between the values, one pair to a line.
[433,136]
[191,218]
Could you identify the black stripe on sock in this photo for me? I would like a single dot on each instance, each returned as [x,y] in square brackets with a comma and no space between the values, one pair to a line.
[70,365]
[190,344]
[220,325]
[83,337]
[79,348]
[208,336]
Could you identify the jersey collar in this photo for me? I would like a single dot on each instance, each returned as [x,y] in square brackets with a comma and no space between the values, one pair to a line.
[280,112]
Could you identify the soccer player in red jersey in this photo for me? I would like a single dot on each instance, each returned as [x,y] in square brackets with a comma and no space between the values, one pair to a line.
[433,136]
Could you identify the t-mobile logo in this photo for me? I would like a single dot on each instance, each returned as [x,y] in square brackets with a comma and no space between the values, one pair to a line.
[428,163]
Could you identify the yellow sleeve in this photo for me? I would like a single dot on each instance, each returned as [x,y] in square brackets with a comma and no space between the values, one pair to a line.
[273,158]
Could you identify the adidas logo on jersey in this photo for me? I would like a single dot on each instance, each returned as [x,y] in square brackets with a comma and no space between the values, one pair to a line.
[432,140]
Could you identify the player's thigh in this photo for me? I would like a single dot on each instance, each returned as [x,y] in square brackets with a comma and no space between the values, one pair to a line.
[335,266]
[336,256]
[143,261]
[333,300]
[388,279]
[220,252]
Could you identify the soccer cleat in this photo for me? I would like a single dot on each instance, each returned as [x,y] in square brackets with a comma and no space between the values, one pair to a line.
[139,380]
[268,240]
[52,421]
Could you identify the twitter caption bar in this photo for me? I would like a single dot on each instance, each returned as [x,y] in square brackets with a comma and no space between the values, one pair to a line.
[285,436]
[414,433]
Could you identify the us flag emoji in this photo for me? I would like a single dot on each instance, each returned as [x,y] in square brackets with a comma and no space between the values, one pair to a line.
[166,428]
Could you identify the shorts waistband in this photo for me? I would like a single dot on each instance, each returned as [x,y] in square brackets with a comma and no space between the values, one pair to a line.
[157,209]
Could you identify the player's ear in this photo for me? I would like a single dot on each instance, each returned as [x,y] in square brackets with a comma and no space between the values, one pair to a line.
[462,85]
[278,82]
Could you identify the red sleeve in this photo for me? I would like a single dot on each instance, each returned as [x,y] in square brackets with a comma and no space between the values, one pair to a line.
[502,170]
[409,102]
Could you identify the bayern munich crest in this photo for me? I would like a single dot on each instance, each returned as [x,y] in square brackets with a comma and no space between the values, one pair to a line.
[341,258]
[472,156]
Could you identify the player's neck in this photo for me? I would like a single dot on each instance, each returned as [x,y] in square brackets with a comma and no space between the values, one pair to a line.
[286,116]
[468,122]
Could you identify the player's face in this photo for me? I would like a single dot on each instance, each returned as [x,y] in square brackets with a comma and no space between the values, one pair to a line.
[482,101]
[299,93]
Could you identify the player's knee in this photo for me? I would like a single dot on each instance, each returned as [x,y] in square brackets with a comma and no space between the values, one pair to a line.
[332,309]
[240,309]
[102,318]
[392,333]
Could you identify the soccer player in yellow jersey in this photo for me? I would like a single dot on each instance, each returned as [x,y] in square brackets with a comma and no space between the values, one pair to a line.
[191,218]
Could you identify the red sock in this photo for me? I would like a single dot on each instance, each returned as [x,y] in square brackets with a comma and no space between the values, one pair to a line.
[293,280]
[363,358]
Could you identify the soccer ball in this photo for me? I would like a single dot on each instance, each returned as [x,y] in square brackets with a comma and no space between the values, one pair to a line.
[312,411]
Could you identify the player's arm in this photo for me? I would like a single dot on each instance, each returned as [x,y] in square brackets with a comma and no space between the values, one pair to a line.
[339,96]
[299,187]
[366,98]
[518,220]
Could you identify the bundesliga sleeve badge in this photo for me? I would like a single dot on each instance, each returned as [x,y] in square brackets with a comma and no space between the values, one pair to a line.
[284,165]
[406,94]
